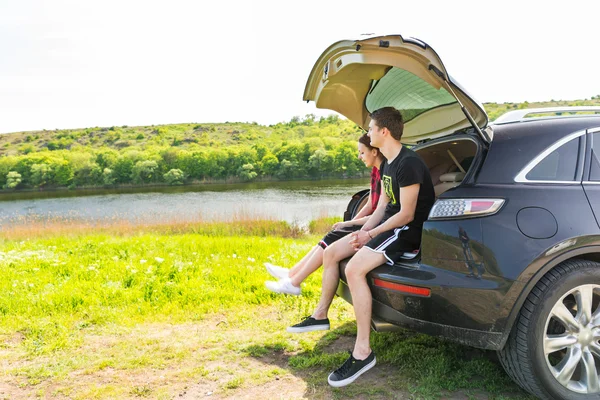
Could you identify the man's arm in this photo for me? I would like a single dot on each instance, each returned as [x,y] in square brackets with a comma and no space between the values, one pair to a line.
[377,215]
[408,205]
[359,238]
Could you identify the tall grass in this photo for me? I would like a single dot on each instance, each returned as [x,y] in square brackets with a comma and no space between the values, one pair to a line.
[240,223]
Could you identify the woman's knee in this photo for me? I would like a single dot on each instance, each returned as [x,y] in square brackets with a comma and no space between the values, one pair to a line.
[331,251]
[328,255]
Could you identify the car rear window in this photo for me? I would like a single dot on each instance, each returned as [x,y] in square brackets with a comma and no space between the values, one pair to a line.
[406,92]
[560,165]
[595,164]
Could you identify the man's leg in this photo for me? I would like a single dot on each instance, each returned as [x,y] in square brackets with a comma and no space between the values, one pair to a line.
[362,358]
[356,273]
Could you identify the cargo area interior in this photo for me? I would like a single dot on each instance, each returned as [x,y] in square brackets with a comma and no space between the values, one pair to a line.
[448,162]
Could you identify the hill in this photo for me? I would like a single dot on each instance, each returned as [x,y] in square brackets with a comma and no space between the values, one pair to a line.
[302,148]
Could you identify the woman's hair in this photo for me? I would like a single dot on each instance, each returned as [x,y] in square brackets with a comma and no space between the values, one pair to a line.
[366,140]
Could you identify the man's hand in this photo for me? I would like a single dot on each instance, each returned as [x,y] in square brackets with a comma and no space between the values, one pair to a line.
[359,239]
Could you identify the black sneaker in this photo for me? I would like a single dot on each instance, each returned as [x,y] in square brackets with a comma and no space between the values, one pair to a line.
[351,370]
[310,324]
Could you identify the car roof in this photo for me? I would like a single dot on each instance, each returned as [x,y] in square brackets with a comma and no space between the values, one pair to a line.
[546,113]
[515,144]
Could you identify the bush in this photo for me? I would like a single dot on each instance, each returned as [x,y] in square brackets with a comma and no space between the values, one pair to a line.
[287,169]
[41,174]
[108,177]
[53,146]
[87,174]
[144,171]
[270,164]
[246,172]
[174,177]
[27,148]
[13,179]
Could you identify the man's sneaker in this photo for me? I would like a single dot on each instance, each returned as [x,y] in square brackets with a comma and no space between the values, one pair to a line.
[351,370]
[310,324]
[276,271]
[283,286]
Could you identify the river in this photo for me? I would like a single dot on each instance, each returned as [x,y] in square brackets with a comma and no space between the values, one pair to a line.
[295,202]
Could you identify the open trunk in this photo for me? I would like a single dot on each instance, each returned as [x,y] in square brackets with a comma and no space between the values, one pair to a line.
[449,161]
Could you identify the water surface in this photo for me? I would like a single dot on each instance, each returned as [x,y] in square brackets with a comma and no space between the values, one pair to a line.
[296,202]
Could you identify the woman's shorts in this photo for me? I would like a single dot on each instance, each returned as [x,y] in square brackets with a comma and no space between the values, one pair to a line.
[336,235]
[394,243]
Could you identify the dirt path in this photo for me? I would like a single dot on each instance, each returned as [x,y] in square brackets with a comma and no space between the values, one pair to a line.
[184,361]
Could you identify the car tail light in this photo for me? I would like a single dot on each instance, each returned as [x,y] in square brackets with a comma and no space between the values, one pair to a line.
[402,288]
[460,208]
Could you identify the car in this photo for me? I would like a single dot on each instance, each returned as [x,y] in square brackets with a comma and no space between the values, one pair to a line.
[510,254]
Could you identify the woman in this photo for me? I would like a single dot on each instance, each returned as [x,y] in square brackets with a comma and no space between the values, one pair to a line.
[289,280]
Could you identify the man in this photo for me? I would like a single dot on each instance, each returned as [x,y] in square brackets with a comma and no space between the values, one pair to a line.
[392,230]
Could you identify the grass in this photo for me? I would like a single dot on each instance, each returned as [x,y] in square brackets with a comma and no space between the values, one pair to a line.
[159,314]
[240,223]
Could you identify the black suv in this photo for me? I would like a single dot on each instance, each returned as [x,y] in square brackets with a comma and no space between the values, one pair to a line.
[510,254]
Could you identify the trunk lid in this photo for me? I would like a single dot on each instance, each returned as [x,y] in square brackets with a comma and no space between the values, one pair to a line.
[356,77]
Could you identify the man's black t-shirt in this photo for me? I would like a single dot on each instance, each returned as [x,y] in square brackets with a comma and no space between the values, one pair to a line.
[405,170]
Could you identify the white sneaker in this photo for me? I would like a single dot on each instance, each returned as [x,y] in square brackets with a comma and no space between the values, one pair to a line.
[276,271]
[283,286]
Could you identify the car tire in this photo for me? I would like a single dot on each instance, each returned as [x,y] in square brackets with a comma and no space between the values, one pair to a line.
[532,356]
[356,204]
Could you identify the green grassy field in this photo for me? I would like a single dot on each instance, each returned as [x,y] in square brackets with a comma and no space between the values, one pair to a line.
[166,314]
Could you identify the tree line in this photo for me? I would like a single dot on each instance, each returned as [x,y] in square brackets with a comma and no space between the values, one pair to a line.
[299,159]
[175,154]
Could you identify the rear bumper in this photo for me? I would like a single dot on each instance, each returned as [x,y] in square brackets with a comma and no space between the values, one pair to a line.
[436,315]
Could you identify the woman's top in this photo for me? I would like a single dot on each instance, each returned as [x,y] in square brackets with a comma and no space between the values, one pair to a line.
[375,187]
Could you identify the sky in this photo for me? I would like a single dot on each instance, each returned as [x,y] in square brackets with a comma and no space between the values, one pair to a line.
[83,63]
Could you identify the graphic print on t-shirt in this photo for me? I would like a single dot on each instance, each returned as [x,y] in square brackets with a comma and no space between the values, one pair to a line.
[387,186]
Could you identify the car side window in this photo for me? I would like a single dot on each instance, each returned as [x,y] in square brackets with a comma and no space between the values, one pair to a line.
[595,164]
[560,165]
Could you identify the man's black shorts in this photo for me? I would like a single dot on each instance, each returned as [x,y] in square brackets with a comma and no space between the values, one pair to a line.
[336,235]
[393,243]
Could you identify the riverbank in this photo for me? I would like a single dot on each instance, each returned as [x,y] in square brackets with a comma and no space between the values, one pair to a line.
[166,315]
[208,184]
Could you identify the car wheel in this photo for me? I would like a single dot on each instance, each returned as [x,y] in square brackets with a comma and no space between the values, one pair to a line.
[553,350]
[356,204]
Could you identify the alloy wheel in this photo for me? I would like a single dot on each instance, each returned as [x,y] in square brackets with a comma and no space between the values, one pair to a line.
[572,340]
